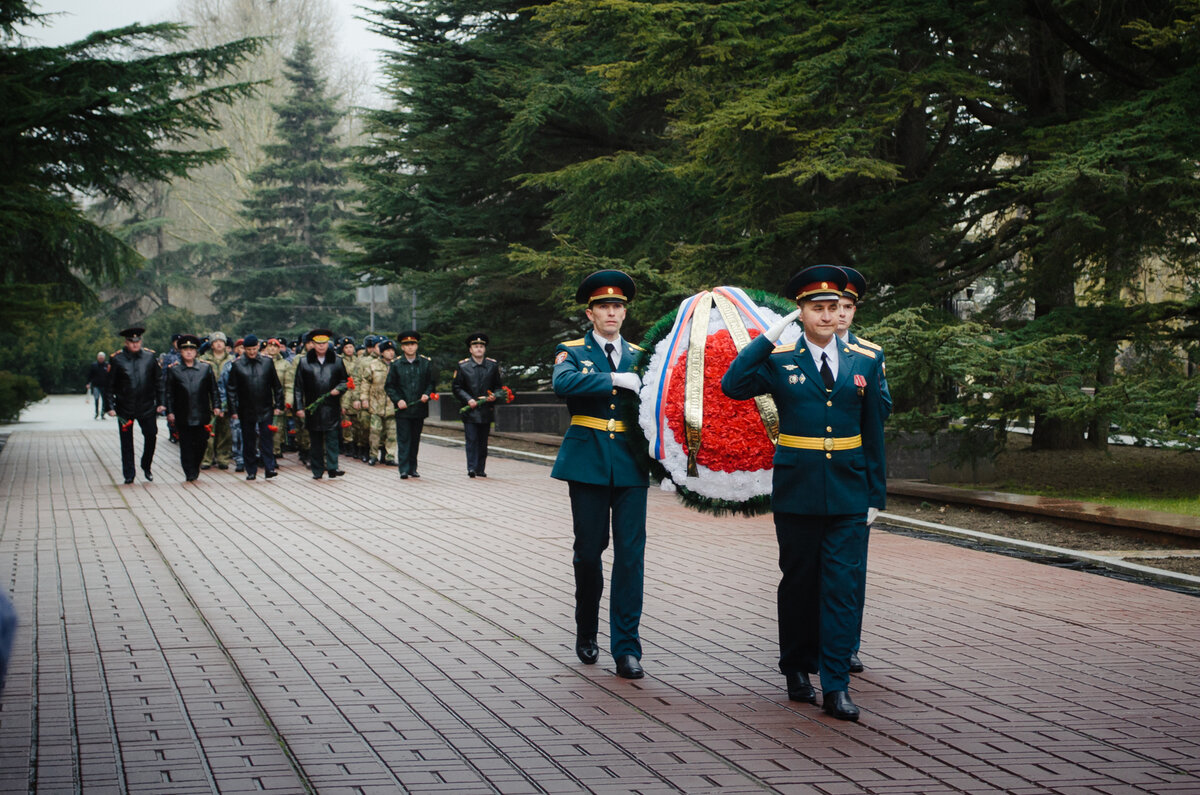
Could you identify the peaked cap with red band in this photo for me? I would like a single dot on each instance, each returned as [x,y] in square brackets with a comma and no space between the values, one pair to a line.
[611,286]
[856,285]
[817,283]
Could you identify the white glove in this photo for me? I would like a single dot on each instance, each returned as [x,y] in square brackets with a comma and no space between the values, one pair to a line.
[774,332]
[871,514]
[628,381]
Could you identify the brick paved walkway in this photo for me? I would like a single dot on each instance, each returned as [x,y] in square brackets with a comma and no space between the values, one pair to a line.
[374,635]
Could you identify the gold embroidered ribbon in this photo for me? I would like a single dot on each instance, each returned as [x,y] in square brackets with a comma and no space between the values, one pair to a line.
[693,385]
[767,410]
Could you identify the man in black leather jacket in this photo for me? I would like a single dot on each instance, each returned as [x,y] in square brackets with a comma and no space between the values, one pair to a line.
[135,394]
[476,382]
[255,397]
[191,399]
[321,376]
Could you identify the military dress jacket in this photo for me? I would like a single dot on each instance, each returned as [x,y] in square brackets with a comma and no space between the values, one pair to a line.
[887,393]
[314,379]
[135,384]
[828,474]
[408,381]
[595,449]
[191,393]
[472,380]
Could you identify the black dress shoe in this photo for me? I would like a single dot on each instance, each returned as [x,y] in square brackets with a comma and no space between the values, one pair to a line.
[252,477]
[271,473]
[838,704]
[404,476]
[336,473]
[470,474]
[206,466]
[222,467]
[799,688]
[372,461]
[414,474]
[239,468]
[856,666]
[128,481]
[586,648]
[148,476]
[628,667]
[480,474]
[318,475]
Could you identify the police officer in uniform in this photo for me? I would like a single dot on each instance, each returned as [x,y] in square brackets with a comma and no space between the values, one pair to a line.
[191,395]
[135,394]
[603,477]
[410,382]
[828,481]
[476,380]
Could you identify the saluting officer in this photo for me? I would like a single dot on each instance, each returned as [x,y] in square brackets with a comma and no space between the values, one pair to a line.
[829,474]
[135,393]
[603,477]
[191,395]
[476,380]
[410,382]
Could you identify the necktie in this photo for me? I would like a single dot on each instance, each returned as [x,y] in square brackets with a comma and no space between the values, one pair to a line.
[826,373]
[608,350]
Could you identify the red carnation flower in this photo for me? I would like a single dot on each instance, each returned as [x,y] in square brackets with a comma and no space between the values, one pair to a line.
[732,433]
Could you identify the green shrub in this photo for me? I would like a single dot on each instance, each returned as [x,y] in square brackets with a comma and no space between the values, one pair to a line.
[17,392]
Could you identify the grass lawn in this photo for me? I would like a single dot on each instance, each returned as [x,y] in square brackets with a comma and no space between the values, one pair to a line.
[1130,477]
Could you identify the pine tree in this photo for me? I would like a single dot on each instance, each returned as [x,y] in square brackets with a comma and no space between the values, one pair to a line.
[89,119]
[283,275]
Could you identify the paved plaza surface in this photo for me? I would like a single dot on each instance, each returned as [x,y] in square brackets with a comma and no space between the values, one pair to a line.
[376,635]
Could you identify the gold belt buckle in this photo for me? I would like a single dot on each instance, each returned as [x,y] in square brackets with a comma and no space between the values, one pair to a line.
[612,426]
[829,444]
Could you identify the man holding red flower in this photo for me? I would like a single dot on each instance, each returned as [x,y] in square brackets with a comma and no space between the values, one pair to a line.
[321,379]
[828,480]
[191,394]
[476,385]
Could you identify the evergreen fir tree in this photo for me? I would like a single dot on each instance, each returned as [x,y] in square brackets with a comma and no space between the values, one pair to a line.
[283,275]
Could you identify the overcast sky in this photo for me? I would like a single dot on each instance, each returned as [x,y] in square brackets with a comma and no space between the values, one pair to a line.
[78,18]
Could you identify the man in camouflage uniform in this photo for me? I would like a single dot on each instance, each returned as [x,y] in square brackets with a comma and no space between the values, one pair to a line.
[220,446]
[271,350]
[345,349]
[382,429]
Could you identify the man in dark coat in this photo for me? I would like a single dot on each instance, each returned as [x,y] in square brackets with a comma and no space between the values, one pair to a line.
[828,482]
[409,384]
[607,482]
[321,378]
[135,394]
[255,397]
[191,402]
[476,382]
[97,384]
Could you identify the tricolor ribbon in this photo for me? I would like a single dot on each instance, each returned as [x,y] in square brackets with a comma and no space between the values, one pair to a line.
[690,332]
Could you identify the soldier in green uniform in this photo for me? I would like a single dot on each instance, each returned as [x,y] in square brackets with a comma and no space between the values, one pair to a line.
[856,288]
[349,397]
[220,447]
[604,478]
[381,439]
[409,383]
[828,480]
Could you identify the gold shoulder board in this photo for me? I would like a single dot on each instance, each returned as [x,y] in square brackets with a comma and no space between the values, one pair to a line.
[463,361]
[858,349]
[869,344]
[637,347]
[784,348]
[573,343]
